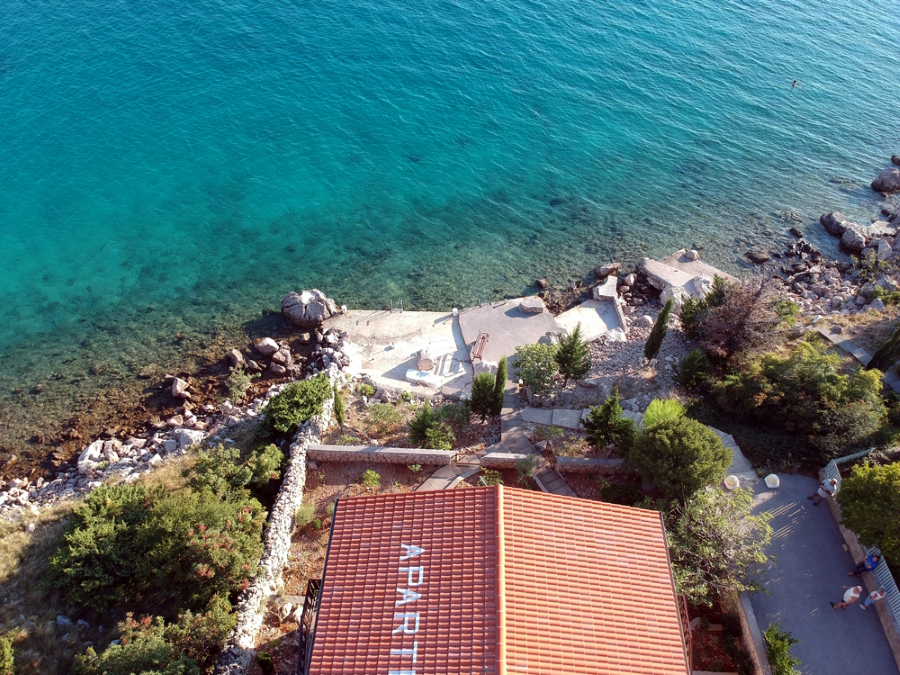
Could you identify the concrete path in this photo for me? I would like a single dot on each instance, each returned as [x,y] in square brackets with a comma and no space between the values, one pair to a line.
[810,569]
[448,477]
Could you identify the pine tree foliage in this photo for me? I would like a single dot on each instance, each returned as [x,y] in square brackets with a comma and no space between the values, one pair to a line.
[573,356]
[654,342]
[499,386]
[483,401]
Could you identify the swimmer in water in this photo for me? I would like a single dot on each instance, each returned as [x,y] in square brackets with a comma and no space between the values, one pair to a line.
[794,85]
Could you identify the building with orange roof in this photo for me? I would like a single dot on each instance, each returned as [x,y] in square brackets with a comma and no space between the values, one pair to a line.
[493,580]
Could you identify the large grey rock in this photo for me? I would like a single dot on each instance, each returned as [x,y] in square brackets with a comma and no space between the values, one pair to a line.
[266,346]
[834,222]
[895,159]
[852,238]
[90,457]
[877,305]
[188,438]
[308,309]
[757,257]
[532,305]
[606,290]
[180,388]
[605,270]
[234,358]
[888,180]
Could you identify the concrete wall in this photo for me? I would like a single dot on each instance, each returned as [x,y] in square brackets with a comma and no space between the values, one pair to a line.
[362,453]
[587,465]
[503,460]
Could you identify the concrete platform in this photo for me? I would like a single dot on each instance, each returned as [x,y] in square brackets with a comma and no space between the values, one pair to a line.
[388,342]
[507,326]
[679,261]
[597,317]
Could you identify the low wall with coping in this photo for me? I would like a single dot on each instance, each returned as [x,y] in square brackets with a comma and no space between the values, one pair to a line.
[587,465]
[503,460]
[374,453]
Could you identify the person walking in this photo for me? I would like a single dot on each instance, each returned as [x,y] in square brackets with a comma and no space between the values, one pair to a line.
[874,597]
[851,595]
[869,563]
[826,490]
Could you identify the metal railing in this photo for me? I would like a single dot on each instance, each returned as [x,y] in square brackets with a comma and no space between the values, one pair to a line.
[686,627]
[307,625]
[882,572]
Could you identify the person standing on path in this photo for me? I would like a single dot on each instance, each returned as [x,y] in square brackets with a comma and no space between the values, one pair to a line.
[869,563]
[826,490]
[851,595]
[874,597]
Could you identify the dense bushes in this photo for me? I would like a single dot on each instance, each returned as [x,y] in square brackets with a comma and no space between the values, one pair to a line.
[735,319]
[536,365]
[483,395]
[807,394]
[680,456]
[716,543]
[606,425]
[693,370]
[298,403]
[662,410]
[432,429]
[131,545]
[870,504]
[778,649]
[221,470]
[150,645]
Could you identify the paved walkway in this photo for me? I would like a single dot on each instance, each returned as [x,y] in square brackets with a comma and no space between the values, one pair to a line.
[449,477]
[810,569]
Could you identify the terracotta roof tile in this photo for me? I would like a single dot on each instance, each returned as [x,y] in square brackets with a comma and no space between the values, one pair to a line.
[511,581]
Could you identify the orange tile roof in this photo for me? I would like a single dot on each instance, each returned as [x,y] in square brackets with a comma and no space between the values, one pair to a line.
[499,581]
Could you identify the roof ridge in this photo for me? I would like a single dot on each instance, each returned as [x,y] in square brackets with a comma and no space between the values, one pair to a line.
[501,582]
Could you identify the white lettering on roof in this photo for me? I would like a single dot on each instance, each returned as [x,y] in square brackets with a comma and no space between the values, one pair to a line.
[409,621]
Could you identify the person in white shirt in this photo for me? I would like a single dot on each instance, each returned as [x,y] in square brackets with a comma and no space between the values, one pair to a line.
[874,596]
[826,490]
[851,595]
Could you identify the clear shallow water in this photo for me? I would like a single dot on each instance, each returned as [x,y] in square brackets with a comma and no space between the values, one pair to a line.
[176,167]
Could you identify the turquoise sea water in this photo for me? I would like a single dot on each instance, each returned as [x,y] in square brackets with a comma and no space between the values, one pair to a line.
[171,166]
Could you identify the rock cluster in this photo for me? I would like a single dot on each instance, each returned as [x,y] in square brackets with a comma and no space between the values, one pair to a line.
[330,352]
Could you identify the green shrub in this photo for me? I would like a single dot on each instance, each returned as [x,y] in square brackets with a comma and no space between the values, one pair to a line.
[499,386]
[420,424]
[382,418]
[778,649]
[626,494]
[870,504]
[525,468]
[265,465]
[340,413]
[662,410]
[489,477]
[693,370]
[405,396]
[440,437]
[6,655]
[536,365]
[573,356]
[716,544]
[370,479]
[887,354]
[680,456]
[220,470]
[304,515]
[127,544]
[266,664]
[299,402]
[151,646]
[483,401]
[542,433]
[807,394]
[453,413]
[329,509]
[317,524]
[366,390]
[415,468]
[660,328]
[693,310]
[606,425]
[238,382]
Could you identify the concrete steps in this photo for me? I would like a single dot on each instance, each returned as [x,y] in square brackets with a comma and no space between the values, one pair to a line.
[550,481]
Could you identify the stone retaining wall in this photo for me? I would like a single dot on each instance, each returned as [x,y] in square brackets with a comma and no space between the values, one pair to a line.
[238,651]
[587,465]
[374,453]
[503,460]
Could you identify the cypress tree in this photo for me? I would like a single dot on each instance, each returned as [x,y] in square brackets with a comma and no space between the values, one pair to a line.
[499,386]
[573,356]
[339,414]
[654,342]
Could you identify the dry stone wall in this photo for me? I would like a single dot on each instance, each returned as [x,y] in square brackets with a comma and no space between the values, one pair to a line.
[362,453]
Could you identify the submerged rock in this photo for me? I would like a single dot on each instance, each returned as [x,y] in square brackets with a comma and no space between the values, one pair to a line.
[834,222]
[757,257]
